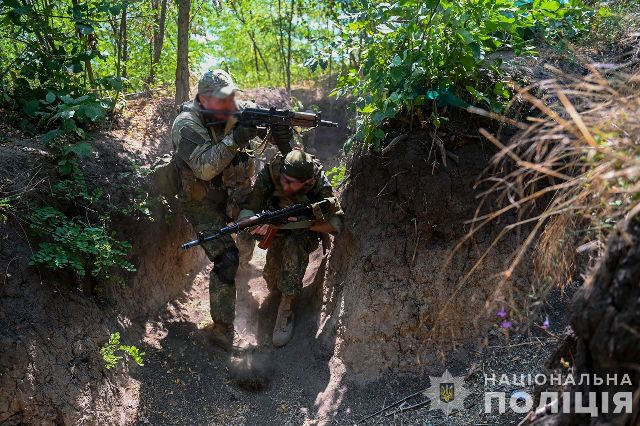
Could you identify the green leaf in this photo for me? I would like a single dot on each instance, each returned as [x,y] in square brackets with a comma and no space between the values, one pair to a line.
[50,136]
[69,125]
[30,108]
[50,97]
[384,29]
[85,28]
[67,114]
[478,53]
[93,111]
[81,149]
[450,98]
[367,109]
[66,167]
[432,94]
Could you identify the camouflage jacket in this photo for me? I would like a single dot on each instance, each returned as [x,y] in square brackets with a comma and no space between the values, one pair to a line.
[207,151]
[267,193]
[208,158]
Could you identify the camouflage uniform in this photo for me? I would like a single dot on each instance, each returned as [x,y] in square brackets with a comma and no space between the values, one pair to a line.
[215,179]
[288,255]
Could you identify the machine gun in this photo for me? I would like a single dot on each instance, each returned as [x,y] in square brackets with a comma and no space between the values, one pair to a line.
[266,217]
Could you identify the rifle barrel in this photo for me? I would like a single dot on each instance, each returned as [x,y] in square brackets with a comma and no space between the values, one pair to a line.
[260,112]
[265,217]
[325,123]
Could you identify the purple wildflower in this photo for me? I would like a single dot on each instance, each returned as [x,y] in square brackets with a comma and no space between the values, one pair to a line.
[505,324]
[545,324]
[502,313]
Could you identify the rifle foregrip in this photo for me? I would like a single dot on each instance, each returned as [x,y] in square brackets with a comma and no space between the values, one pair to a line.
[266,241]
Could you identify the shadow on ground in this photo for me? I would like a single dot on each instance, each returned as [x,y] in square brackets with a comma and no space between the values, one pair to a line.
[186,379]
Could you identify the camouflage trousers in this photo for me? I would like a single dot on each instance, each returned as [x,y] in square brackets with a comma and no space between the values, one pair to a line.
[287,260]
[225,254]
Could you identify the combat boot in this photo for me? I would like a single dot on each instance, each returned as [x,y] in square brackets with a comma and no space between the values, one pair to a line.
[225,337]
[222,335]
[283,329]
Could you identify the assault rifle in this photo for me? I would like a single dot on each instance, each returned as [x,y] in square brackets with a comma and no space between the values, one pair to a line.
[266,217]
[272,117]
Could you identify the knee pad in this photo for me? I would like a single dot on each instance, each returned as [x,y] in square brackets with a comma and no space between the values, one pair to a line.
[226,264]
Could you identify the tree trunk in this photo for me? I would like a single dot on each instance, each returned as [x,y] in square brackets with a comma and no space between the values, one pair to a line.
[117,30]
[124,38]
[237,11]
[283,60]
[182,66]
[90,75]
[289,48]
[160,17]
[89,44]
[158,39]
[255,60]
[116,44]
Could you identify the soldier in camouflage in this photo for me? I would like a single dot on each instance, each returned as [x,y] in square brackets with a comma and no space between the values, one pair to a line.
[215,174]
[286,180]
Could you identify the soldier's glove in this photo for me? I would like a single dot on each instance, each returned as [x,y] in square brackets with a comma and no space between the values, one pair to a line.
[282,135]
[244,132]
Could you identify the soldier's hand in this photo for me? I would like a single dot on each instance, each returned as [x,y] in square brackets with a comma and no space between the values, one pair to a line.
[281,134]
[260,231]
[244,132]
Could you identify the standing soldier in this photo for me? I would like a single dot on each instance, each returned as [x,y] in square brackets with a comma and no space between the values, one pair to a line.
[215,175]
[296,178]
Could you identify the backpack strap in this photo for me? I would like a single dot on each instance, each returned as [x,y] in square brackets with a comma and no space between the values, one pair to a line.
[271,175]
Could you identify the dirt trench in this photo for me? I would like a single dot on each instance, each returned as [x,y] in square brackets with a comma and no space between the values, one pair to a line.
[362,321]
[51,330]
[51,371]
[392,298]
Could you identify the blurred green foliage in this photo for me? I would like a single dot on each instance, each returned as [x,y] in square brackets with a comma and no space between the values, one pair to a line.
[430,54]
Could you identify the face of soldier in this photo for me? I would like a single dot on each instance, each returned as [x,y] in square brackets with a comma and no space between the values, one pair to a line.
[292,186]
[221,104]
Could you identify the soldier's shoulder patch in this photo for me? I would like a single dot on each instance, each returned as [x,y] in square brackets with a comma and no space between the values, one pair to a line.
[190,134]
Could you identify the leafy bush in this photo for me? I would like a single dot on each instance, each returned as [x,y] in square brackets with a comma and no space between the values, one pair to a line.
[71,114]
[109,350]
[336,175]
[417,53]
[73,236]
[77,245]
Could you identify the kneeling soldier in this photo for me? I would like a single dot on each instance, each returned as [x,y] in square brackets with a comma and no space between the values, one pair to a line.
[296,178]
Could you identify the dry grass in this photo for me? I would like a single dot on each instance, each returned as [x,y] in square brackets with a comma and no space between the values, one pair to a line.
[573,174]
[568,177]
